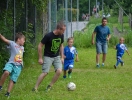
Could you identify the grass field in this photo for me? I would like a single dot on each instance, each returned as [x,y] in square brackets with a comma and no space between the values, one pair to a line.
[105,83]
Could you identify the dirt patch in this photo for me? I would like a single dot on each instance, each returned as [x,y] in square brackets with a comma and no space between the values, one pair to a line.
[116,33]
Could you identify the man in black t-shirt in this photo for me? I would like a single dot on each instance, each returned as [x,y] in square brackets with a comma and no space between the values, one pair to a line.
[53,54]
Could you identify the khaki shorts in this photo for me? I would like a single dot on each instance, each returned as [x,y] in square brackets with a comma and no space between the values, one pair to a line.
[49,61]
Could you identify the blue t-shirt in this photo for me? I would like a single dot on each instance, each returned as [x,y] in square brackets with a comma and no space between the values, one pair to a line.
[70,53]
[120,49]
[101,33]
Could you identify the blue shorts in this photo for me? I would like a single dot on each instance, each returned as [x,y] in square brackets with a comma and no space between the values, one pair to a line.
[13,70]
[68,64]
[101,48]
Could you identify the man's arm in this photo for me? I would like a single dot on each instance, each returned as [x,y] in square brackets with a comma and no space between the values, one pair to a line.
[4,39]
[40,53]
[62,52]
[93,35]
[108,38]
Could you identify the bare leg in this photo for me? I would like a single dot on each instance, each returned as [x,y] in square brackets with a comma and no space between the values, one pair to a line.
[40,78]
[3,77]
[103,58]
[10,86]
[64,73]
[97,58]
[70,70]
[56,76]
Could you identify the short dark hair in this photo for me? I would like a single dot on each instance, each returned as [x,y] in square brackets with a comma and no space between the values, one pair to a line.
[104,18]
[19,35]
[60,25]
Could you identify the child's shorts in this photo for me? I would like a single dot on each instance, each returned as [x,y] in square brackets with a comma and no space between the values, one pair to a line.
[13,70]
[68,64]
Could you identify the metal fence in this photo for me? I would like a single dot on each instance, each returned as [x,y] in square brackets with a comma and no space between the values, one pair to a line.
[66,10]
[22,13]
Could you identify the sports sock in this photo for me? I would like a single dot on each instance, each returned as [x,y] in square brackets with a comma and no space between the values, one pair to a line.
[64,76]
[7,94]
[69,72]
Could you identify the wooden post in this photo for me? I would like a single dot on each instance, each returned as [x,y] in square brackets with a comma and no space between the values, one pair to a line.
[130,21]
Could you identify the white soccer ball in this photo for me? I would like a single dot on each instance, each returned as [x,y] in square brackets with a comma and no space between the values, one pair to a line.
[71,86]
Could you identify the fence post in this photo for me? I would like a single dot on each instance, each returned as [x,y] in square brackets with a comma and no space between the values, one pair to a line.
[66,18]
[26,15]
[14,18]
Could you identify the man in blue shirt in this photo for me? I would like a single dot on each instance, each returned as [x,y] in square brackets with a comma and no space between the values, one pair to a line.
[102,33]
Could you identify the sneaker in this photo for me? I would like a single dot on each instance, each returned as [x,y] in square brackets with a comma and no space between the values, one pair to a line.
[122,64]
[103,65]
[34,90]
[64,77]
[115,66]
[69,75]
[0,88]
[98,66]
[48,88]
[7,94]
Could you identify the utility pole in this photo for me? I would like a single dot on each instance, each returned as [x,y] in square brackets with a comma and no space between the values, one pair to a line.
[49,13]
[71,18]
[89,7]
[102,7]
[14,18]
[96,7]
[66,18]
[77,13]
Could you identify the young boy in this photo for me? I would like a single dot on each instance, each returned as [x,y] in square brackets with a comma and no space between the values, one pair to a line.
[69,53]
[120,51]
[14,66]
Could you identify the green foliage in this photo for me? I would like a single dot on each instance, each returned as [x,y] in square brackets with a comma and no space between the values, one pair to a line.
[40,4]
[82,40]
[29,48]
[128,39]
[113,41]
[60,14]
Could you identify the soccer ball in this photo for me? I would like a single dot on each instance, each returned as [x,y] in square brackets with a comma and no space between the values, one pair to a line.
[71,86]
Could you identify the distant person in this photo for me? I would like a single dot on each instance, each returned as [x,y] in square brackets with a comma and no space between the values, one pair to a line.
[69,54]
[102,33]
[94,10]
[83,16]
[87,17]
[53,43]
[120,52]
[15,64]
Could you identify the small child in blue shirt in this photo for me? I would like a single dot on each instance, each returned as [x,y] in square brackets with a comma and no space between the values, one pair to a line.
[120,51]
[69,55]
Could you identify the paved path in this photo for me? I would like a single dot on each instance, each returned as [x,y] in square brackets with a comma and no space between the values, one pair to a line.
[75,27]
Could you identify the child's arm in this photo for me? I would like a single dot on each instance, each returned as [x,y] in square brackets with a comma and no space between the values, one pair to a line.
[76,58]
[127,52]
[115,47]
[4,39]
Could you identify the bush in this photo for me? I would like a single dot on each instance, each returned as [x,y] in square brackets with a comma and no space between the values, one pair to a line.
[82,40]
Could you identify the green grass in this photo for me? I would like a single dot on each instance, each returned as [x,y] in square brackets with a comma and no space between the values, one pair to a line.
[105,83]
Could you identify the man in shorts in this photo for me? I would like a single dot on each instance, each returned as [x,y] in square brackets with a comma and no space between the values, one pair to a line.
[102,33]
[53,43]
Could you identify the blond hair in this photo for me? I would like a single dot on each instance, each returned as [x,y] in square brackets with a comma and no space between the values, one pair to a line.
[70,38]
